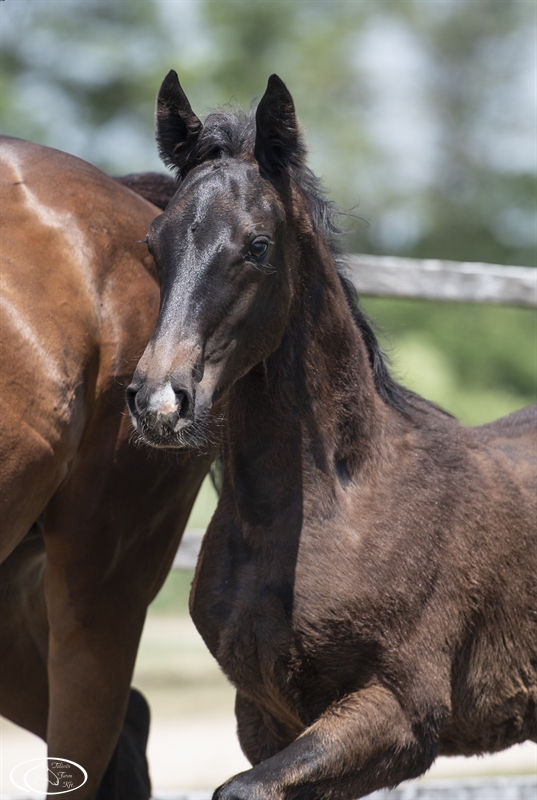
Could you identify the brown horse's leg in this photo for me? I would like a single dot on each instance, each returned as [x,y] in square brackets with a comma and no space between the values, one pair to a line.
[127,774]
[23,674]
[92,652]
[364,742]
[110,533]
[24,636]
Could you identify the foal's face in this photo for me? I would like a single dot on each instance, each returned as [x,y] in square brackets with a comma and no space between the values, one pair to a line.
[225,296]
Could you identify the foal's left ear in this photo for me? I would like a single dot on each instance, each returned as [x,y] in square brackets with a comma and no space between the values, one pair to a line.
[177,127]
[278,143]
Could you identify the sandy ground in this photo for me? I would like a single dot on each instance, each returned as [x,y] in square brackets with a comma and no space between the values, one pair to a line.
[193,745]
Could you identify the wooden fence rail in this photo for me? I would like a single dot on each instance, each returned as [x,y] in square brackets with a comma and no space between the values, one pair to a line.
[387,276]
[512,787]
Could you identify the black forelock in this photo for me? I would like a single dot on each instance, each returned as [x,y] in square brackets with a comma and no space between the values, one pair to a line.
[225,133]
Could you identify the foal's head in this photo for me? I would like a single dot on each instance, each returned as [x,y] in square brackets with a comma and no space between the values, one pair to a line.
[223,251]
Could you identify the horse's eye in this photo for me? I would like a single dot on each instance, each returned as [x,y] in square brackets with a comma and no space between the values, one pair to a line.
[258,249]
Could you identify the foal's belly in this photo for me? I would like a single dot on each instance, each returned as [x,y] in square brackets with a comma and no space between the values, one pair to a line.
[469,736]
[494,694]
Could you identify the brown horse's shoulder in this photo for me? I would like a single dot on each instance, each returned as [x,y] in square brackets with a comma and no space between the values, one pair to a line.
[78,284]
[27,159]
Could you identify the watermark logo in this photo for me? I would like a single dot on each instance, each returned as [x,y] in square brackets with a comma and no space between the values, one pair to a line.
[51,775]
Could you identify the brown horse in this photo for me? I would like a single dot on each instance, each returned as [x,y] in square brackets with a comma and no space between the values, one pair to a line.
[79,300]
[368,581]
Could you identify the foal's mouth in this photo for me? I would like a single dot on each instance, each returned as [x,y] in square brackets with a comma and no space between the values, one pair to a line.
[171,418]
[171,432]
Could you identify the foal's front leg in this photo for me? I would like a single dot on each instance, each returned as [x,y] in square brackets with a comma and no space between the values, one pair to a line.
[261,735]
[364,742]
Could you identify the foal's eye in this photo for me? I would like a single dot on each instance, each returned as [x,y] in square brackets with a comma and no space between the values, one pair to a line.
[258,248]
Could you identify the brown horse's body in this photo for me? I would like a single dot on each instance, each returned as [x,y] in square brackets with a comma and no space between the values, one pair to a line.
[368,581]
[78,300]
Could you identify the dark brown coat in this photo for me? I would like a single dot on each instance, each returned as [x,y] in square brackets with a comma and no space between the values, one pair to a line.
[368,582]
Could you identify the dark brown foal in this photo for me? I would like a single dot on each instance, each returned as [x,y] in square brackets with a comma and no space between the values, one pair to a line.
[368,582]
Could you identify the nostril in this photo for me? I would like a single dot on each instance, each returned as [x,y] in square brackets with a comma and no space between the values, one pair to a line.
[183,404]
[159,402]
[130,397]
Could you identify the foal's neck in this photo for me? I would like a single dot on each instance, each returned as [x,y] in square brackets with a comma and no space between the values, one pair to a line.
[307,419]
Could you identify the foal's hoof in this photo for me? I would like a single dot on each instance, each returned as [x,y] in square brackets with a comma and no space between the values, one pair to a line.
[241,787]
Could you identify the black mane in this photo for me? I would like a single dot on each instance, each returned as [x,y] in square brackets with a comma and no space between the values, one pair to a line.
[230,133]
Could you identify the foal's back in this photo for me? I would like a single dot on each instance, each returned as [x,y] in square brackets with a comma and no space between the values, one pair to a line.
[513,439]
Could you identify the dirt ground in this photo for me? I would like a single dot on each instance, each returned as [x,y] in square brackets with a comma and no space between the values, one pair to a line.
[193,745]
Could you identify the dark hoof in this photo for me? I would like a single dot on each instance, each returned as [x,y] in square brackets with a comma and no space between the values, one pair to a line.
[242,787]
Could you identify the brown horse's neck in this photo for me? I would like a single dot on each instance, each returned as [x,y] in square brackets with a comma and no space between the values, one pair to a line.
[305,422]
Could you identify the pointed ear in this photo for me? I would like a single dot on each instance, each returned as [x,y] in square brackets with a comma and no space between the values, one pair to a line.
[177,127]
[278,143]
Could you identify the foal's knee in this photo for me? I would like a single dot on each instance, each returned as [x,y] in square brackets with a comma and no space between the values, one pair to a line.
[260,734]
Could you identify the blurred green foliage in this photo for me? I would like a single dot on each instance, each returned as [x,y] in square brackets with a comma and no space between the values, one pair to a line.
[173,597]
[479,362]
[422,113]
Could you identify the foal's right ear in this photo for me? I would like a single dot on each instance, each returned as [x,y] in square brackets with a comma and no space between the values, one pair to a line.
[177,127]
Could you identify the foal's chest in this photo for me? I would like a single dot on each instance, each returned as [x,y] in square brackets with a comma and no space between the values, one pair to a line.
[265,635]
[253,637]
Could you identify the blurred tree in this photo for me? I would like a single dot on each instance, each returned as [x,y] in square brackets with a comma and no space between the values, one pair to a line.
[470,205]
[423,112]
[81,76]
[309,44]
[479,54]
